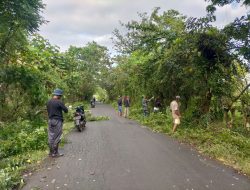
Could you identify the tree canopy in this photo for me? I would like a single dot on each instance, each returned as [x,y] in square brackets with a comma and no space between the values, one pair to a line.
[170,54]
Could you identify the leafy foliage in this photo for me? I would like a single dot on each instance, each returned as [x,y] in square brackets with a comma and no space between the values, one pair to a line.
[171,56]
[18,19]
[163,54]
[88,64]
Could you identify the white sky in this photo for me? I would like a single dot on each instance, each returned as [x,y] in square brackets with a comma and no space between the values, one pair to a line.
[77,22]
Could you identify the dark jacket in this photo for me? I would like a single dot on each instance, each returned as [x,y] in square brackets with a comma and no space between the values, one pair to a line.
[126,102]
[55,108]
[119,102]
[157,103]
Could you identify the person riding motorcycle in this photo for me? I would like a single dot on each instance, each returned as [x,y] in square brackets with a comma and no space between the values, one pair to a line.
[80,122]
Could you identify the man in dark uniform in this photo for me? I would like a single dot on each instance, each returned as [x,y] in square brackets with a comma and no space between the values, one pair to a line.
[55,107]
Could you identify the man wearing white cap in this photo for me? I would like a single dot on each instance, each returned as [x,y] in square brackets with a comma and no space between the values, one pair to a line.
[175,108]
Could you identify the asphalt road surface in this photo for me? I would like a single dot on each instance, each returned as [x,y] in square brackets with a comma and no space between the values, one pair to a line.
[119,154]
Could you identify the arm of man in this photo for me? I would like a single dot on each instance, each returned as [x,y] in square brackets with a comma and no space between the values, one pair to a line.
[177,112]
[176,109]
[64,108]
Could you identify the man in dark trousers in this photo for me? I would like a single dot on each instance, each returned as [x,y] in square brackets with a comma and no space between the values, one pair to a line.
[126,103]
[55,107]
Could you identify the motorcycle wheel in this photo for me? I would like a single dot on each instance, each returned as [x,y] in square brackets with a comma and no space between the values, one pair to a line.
[79,128]
[82,126]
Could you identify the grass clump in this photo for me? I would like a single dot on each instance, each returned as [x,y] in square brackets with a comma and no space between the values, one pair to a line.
[97,118]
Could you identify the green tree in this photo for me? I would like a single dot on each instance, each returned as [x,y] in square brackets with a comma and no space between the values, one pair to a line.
[237,31]
[89,64]
[18,19]
[173,54]
[26,83]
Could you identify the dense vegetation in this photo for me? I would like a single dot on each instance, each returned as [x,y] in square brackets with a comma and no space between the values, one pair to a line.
[163,54]
[30,69]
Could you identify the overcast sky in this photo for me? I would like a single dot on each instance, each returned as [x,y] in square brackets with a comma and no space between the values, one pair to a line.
[76,22]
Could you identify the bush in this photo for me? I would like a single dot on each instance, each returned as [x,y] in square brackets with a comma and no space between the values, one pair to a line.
[23,145]
[19,138]
[18,142]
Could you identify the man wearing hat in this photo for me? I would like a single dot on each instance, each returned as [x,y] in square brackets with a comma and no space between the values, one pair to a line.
[55,107]
[175,108]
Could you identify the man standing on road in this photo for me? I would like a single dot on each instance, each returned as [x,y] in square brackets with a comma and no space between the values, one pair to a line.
[175,108]
[119,102]
[126,105]
[55,107]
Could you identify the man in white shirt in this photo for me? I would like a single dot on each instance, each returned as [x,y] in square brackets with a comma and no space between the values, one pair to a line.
[174,106]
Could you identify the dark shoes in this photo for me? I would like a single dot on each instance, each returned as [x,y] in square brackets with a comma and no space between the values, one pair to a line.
[54,152]
[57,155]
[51,151]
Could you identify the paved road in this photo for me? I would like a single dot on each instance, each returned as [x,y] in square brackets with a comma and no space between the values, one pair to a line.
[121,155]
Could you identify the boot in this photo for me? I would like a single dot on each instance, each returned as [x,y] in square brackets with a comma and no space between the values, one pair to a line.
[50,151]
[56,153]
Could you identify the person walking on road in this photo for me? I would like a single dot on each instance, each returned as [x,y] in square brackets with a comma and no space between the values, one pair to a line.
[175,108]
[55,107]
[119,103]
[126,105]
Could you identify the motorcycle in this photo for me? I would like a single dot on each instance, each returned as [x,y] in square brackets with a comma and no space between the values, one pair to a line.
[79,118]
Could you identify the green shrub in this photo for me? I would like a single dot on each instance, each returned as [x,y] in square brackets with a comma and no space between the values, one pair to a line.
[22,146]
